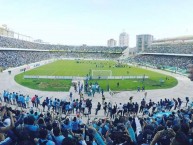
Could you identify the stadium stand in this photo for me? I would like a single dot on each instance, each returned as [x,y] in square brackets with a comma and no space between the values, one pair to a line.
[6,42]
[179,48]
[16,58]
[173,54]
[51,121]
[162,61]
[15,52]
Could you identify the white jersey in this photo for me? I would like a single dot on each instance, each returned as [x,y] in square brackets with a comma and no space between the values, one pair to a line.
[120,107]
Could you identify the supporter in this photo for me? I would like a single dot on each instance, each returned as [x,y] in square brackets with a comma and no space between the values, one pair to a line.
[105,108]
[120,109]
[10,124]
[43,133]
[98,108]
[44,105]
[26,101]
[187,101]
[58,138]
[1,97]
[75,126]
[68,141]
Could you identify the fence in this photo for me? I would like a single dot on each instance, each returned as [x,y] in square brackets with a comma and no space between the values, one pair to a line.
[84,78]
[55,77]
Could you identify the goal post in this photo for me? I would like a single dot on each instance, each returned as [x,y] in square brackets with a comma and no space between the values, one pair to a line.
[101,73]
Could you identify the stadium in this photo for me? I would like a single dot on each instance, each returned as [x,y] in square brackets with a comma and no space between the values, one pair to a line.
[55,70]
[74,89]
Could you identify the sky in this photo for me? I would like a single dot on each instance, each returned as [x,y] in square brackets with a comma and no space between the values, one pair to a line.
[93,22]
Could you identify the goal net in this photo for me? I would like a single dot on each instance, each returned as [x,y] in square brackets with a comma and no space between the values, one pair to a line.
[101,73]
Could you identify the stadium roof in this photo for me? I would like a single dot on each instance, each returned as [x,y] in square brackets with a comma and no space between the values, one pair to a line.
[183,38]
[165,54]
[20,49]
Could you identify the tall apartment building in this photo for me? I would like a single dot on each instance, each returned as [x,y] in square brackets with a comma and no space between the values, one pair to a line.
[124,39]
[111,43]
[143,42]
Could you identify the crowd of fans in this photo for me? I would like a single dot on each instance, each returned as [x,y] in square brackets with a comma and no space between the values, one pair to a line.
[162,61]
[165,61]
[7,42]
[18,58]
[52,121]
[178,48]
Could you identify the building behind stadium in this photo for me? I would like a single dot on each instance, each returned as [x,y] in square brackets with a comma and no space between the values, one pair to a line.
[124,40]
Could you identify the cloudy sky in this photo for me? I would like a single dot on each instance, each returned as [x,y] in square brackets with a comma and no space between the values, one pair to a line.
[92,22]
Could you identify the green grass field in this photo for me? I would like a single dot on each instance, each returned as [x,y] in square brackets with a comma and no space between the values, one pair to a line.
[83,67]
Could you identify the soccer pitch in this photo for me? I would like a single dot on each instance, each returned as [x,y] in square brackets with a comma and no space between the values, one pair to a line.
[85,67]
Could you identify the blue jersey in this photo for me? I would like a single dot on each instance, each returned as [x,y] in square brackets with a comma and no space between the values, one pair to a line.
[67,107]
[5,94]
[27,99]
[19,98]
[75,125]
[10,96]
[67,126]
[54,103]
[58,104]
[59,139]
[22,99]
[13,96]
